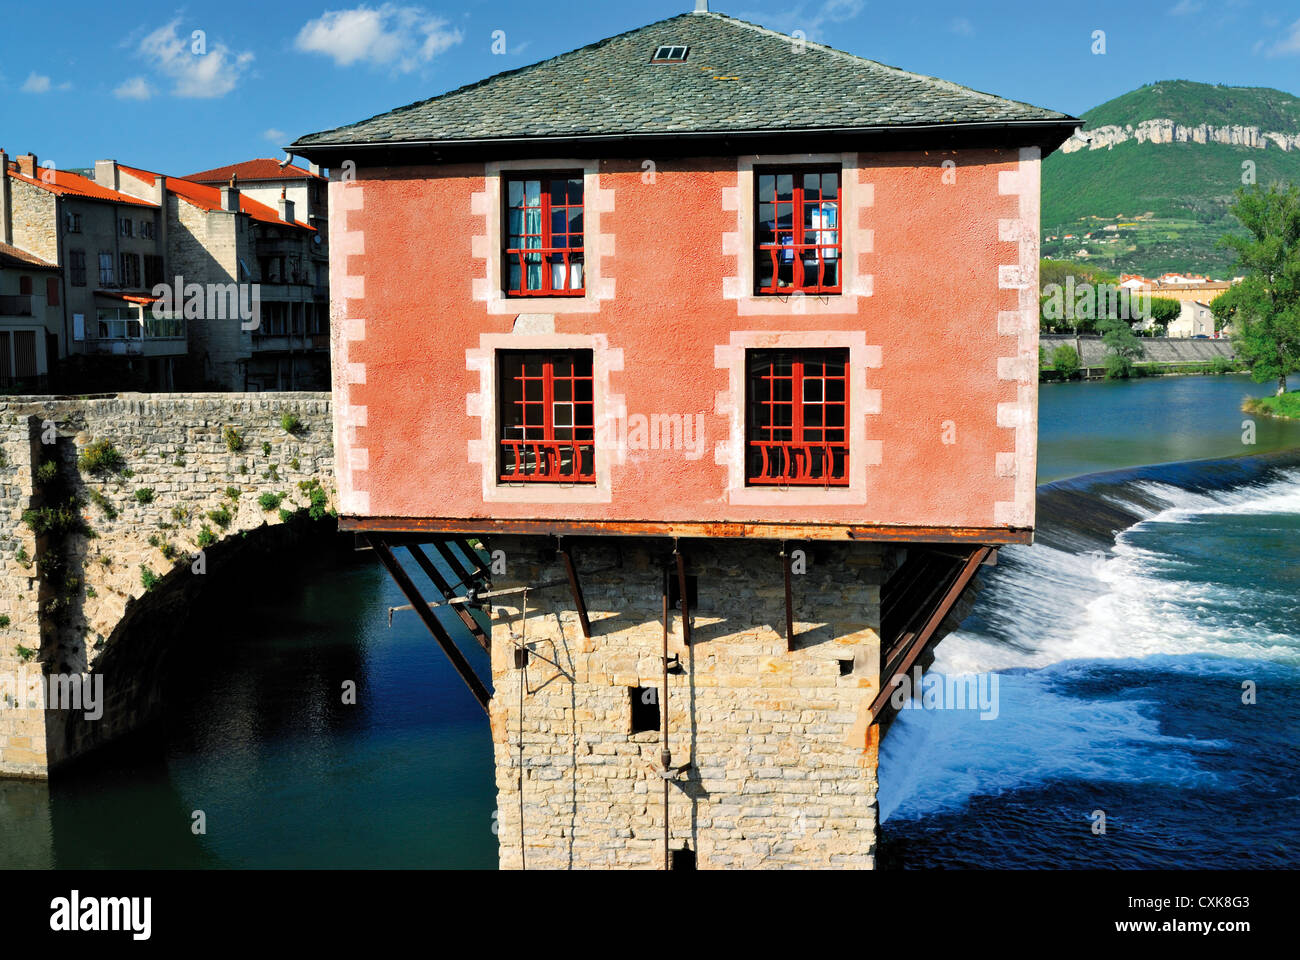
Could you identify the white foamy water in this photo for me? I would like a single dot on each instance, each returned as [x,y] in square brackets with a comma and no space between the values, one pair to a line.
[1048,617]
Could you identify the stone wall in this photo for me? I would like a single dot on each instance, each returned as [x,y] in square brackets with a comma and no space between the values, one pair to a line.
[67,598]
[35,222]
[782,757]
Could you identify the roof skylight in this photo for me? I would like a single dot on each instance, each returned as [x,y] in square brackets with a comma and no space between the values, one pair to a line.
[670,54]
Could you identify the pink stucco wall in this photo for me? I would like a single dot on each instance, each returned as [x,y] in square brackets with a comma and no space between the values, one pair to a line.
[944,320]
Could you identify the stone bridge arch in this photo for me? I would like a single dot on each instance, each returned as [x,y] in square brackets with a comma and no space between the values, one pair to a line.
[113,510]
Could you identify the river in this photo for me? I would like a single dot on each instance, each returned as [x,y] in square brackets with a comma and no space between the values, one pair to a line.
[1120,685]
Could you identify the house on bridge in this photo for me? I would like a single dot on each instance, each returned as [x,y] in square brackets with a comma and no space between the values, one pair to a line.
[706,357]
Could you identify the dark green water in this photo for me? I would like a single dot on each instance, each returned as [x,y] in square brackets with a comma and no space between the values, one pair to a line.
[256,736]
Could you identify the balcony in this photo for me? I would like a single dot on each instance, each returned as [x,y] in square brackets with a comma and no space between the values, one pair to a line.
[16,305]
[150,337]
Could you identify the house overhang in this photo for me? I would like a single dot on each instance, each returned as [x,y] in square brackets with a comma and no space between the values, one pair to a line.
[1047,135]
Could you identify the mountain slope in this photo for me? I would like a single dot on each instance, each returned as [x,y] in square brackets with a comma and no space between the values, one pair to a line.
[1165,203]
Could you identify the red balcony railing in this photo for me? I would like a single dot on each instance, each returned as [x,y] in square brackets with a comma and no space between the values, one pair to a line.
[548,461]
[789,463]
[560,272]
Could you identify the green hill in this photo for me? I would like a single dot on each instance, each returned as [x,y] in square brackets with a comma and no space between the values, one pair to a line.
[1193,103]
[1166,204]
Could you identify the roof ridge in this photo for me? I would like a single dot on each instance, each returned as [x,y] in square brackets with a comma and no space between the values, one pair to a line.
[855,58]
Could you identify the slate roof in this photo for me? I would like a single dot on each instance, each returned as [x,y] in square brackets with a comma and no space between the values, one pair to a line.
[737,77]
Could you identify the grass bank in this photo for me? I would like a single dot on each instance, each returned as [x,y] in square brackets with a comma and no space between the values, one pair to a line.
[1287,405]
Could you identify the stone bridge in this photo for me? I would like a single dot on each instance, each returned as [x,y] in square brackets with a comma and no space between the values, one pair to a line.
[111,510]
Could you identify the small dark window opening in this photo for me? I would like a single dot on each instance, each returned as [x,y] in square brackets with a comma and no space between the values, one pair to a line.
[521,657]
[683,859]
[670,54]
[675,593]
[846,668]
[645,709]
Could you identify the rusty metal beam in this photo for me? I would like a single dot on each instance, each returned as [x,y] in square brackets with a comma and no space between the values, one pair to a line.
[687,530]
[478,569]
[681,595]
[921,640]
[412,593]
[578,600]
[448,591]
[789,599]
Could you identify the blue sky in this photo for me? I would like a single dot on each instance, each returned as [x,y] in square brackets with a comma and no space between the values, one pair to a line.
[93,80]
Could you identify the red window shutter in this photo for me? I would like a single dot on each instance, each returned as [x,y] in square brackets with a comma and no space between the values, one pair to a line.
[24,286]
[52,291]
[546,417]
[798,418]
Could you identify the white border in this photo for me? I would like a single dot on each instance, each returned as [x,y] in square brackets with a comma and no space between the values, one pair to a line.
[486,246]
[856,198]
[863,402]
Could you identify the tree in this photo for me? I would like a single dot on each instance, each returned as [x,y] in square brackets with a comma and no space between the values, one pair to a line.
[1265,307]
[1122,347]
[1065,360]
[1164,311]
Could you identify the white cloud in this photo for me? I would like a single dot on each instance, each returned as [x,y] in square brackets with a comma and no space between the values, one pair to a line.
[39,83]
[1184,7]
[212,73]
[275,136]
[401,38]
[961,26]
[810,22]
[136,88]
[1288,44]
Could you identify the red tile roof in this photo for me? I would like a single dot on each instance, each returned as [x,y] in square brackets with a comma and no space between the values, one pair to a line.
[11,256]
[263,168]
[63,183]
[209,198]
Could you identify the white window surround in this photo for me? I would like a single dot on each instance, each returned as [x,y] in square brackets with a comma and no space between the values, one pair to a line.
[855,197]
[863,402]
[487,246]
[532,335]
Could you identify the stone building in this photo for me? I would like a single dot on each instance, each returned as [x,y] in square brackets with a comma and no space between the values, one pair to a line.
[31,317]
[107,247]
[723,349]
[115,233]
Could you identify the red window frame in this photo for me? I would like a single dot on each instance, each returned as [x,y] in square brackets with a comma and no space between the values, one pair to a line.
[539,391]
[797,423]
[546,248]
[803,254]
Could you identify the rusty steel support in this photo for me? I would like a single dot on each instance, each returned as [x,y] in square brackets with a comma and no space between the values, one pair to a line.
[921,640]
[681,595]
[789,599]
[478,570]
[665,756]
[448,591]
[412,592]
[575,586]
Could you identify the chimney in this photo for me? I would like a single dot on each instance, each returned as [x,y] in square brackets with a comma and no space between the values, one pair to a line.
[106,174]
[701,6]
[27,165]
[230,196]
[314,167]
[286,208]
[6,224]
